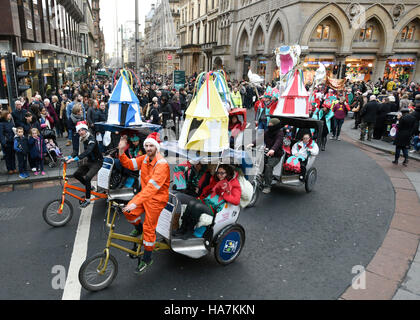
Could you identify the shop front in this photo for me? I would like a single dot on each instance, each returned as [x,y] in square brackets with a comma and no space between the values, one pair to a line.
[311,64]
[400,69]
[359,69]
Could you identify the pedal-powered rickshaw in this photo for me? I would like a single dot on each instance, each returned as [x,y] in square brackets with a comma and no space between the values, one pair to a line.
[223,235]
[298,127]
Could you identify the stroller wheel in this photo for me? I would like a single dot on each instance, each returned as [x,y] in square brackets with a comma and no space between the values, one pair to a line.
[51,164]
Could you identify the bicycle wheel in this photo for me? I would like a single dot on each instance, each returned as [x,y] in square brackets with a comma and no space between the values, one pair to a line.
[89,275]
[55,219]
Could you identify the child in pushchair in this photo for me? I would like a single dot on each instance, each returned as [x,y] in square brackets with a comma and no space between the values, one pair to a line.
[54,153]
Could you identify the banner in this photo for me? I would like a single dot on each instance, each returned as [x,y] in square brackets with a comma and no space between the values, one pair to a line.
[179,79]
[336,84]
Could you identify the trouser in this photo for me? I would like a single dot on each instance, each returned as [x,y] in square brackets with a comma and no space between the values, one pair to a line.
[357,120]
[70,134]
[324,139]
[85,174]
[9,157]
[39,164]
[338,123]
[21,162]
[416,143]
[369,126]
[152,209]
[333,124]
[182,198]
[75,142]
[398,150]
[191,216]
[271,162]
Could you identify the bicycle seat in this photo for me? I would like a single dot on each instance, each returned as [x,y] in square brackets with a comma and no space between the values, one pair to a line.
[121,195]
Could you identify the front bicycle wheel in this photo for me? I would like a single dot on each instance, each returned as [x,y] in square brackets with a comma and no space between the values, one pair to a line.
[51,214]
[90,276]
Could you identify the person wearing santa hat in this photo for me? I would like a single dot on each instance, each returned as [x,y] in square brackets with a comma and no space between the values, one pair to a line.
[153,197]
[92,154]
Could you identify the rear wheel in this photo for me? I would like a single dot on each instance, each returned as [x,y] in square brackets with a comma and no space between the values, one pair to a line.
[229,244]
[310,180]
[90,275]
[53,217]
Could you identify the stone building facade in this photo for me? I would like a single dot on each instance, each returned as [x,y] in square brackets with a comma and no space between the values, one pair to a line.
[372,39]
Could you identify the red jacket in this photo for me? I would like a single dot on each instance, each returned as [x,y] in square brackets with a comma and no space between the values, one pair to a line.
[229,190]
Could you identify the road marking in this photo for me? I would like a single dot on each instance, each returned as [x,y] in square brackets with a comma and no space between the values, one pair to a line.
[73,287]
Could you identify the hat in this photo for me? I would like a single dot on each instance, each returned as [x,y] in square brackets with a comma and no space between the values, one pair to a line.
[274,121]
[154,139]
[81,125]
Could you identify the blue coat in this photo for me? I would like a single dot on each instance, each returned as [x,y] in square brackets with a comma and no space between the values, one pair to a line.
[37,149]
[319,113]
[6,133]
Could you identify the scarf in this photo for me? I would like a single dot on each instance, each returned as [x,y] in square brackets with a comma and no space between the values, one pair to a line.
[75,118]
[81,140]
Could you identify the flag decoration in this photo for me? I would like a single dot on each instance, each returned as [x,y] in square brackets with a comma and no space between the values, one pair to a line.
[294,102]
[206,120]
[124,106]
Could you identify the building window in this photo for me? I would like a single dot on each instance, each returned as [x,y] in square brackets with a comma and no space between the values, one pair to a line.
[322,32]
[319,32]
[326,32]
[366,34]
[408,33]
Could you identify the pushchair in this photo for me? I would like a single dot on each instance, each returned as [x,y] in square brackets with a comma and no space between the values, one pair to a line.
[54,153]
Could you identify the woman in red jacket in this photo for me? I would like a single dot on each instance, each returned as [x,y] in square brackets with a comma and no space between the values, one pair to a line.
[223,187]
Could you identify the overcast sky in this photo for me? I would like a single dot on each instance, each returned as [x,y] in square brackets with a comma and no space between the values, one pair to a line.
[126,11]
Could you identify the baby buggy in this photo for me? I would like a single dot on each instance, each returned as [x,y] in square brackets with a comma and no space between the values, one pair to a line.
[54,153]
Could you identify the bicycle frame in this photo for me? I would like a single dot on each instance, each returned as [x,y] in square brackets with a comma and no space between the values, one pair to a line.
[117,236]
[68,186]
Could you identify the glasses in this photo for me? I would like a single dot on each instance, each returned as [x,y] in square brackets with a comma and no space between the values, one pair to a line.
[221,173]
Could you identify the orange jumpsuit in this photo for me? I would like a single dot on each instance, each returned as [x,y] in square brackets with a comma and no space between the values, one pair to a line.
[154,194]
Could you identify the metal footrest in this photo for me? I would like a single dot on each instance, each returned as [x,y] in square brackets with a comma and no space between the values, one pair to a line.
[193,248]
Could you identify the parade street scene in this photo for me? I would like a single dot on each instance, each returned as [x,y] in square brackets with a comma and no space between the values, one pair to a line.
[223,151]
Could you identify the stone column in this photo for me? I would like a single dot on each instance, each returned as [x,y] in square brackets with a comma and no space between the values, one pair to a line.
[416,72]
[269,68]
[380,65]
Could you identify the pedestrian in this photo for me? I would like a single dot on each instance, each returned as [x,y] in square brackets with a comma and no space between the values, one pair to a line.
[37,149]
[18,114]
[380,127]
[340,110]
[101,115]
[324,114]
[7,134]
[21,146]
[405,125]
[236,98]
[356,107]
[368,117]
[75,117]
[56,104]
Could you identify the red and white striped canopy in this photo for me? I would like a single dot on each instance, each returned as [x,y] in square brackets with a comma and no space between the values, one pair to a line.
[294,102]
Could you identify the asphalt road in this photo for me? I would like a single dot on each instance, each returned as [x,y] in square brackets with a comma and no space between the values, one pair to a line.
[298,245]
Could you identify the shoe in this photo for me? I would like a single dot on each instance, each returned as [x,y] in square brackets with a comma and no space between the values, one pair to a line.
[266,190]
[33,169]
[395,162]
[179,232]
[22,176]
[412,151]
[322,148]
[361,139]
[36,173]
[84,204]
[143,266]
[135,233]
[26,175]
[15,171]
[68,143]
[332,138]
[338,139]
[43,173]
[405,162]
[369,139]
[10,172]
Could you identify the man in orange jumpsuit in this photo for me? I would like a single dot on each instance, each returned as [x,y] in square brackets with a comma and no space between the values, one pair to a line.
[154,195]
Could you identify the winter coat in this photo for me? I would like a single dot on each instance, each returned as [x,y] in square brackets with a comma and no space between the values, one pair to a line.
[37,147]
[21,144]
[91,150]
[6,132]
[273,139]
[100,116]
[404,130]
[19,117]
[369,112]
[219,192]
[319,114]
[28,126]
[299,149]
[187,179]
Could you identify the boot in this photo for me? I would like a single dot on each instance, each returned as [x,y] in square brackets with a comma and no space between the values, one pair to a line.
[405,162]
[138,230]
[122,183]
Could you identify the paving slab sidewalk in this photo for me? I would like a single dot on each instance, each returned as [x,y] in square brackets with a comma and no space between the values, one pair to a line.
[51,173]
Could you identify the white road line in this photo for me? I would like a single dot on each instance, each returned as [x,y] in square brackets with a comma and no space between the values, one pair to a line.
[73,287]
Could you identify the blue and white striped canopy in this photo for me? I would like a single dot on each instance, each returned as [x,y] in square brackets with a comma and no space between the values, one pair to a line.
[123,93]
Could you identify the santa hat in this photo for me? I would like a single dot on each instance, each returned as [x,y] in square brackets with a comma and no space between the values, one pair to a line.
[154,139]
[81,125]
